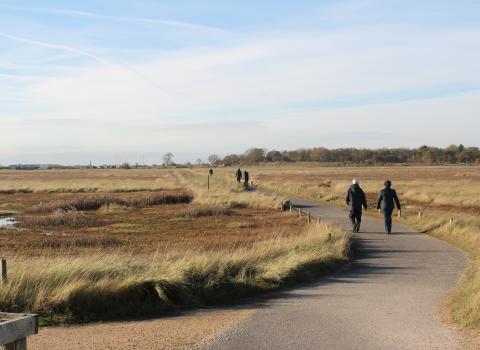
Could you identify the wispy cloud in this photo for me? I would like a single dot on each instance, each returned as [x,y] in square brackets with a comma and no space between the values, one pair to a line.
[275,87]
[56,46]
[83,53]
[93,15]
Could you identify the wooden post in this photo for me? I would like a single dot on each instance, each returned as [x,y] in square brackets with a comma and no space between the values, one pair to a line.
[281,206]
[15,328]
[299,213]
[20,344]
[318,221]
[291,208]
[208,182]
[420,214]
[4,271]
[451,221]
[308,218]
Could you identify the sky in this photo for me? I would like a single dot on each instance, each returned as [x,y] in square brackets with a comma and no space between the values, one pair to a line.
[114,81]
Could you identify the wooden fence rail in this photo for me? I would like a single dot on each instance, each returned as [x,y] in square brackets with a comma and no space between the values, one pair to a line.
[15,328]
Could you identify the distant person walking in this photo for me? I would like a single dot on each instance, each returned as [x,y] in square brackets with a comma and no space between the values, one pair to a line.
[246,178]
[238,175]
[387,200]
[357,201]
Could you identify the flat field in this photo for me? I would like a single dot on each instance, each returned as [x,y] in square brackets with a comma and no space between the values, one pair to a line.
[101,244]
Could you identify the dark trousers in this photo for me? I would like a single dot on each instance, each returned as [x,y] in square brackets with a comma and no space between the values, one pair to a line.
[387,217]
[355,219]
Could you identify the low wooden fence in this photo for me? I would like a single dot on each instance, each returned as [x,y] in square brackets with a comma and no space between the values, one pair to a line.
[15,328]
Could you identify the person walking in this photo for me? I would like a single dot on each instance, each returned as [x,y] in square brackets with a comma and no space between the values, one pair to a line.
[238,175]
[387,200]
[246,178]
[357,201]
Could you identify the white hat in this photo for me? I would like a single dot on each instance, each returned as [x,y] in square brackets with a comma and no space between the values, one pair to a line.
[355,182]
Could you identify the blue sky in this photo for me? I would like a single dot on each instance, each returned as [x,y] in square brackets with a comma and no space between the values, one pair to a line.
[122,80]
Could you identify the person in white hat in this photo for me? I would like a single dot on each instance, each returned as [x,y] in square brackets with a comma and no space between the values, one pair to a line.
[357,201]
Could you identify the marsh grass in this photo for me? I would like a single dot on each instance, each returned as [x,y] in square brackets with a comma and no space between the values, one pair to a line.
[96,202]
[112,285]
[464,232]
[204,210]
[59,217]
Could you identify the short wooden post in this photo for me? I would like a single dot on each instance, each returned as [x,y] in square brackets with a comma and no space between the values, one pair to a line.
[4,271]
[299,213]
[420,214]
[308,218]
[208,182]
[318,221]
[20,344]
[451,221]
[291,208]
[281,206]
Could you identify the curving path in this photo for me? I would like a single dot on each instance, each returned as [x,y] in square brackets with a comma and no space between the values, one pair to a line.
[390,297]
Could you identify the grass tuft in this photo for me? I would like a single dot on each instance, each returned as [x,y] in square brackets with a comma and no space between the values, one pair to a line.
[204,210]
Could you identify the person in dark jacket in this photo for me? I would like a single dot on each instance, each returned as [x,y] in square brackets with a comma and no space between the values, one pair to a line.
[357,201]
[246,177]
[238,175]
[387,200]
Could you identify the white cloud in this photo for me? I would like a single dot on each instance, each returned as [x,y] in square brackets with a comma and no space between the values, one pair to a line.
[278,89]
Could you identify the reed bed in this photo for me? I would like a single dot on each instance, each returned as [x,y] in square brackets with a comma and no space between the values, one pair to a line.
[120,284]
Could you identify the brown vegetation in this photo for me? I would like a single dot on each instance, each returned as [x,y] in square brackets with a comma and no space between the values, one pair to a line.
[83,256]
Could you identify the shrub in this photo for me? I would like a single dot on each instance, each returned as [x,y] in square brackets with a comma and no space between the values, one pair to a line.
[204,210]
[59,217]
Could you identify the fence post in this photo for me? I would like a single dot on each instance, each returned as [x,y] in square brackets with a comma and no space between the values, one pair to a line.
[420,214]
[4,271]
[299,213]
[208,182]
[20,344]
[318,221]
[308,218]
[451,221]
[291,208]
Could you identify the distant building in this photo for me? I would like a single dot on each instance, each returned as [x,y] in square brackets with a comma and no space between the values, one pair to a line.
[34,166]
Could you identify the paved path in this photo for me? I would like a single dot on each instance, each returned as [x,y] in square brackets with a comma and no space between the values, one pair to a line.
[389,298]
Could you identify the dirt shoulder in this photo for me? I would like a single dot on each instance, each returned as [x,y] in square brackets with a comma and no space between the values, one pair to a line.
[181,332]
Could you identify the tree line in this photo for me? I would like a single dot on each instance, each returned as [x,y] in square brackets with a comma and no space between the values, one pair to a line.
[454,154]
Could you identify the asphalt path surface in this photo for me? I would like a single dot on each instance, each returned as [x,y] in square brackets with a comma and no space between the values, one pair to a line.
[389,297]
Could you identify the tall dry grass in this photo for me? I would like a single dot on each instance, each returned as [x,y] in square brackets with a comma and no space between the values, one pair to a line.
[67,288]
[95,202]
[464,232]
[224,191]
[59,217]
[86,180]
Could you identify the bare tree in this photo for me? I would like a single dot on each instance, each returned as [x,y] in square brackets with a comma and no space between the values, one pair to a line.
[167,158]
[199,161]
[213,159]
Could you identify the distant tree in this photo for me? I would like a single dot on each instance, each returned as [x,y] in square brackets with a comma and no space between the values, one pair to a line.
[422,155]
[167,158]
[231,159]
[199,161]
[254,155]
[213,159]
[274,156]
